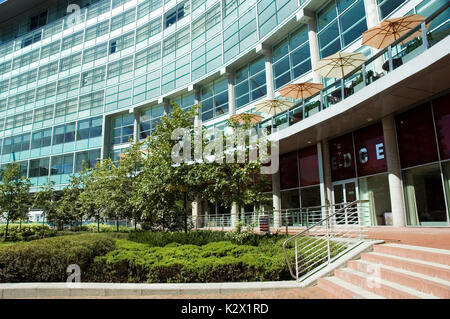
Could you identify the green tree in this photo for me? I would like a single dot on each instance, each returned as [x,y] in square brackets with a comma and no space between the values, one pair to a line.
[45,199]
[14,195]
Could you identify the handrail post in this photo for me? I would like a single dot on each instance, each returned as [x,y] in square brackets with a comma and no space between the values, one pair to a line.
[364,77]
[424,35]
[296,259]
[391,64]
[328,241]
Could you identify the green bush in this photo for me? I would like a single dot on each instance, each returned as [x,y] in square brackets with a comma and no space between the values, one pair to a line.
[199,238]
[214,262]
[46,260]
[26,232]
[92,227]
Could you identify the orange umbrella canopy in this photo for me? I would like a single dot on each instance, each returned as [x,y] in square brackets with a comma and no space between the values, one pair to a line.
[246,118]
[301,90]
[391,30]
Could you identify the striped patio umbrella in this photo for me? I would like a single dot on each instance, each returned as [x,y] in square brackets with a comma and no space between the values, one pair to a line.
[391,30]
[339,64]
[274,106]
[301,90]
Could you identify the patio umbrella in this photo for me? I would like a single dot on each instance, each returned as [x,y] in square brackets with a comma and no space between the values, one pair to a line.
[273,107]
[339,64]
[301,90]
[390,30]
[246,118]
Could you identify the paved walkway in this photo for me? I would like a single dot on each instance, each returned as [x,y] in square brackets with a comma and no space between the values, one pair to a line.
[292,293]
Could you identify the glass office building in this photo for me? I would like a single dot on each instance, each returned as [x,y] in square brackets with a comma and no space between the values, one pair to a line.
[80,78]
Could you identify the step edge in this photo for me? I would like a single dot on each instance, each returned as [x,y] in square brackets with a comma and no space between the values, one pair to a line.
[419,248]
[393,285]
[406,259]
[353,288]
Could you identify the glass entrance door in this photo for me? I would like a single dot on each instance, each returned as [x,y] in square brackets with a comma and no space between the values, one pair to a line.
[345,192]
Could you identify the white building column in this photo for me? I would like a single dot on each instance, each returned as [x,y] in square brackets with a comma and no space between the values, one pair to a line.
[197,119]
[310,20]
[231,95]
[234,215]
[276,197]
[373,19]
[166,104]
[394,172]
[267,51]
[136,125]
[197,213]
[326,192]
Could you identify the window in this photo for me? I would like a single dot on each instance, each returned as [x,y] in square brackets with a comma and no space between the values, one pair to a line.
[232,9]
[29,40]
[38,20]
[291,58]
[4,85]
[5,67]
[207,57]
[50,49]
[93,101]
[62,164]
[64,133]
[93,76]
[176,14]
[26,59]
[148,59]
[148,6]
[70,62]
[250,82]
[43,113]
[21,99]
[150,29]
[118,96]
[273,12]
[240,35]
[23,168]
[175,74]
[121,43]
[66,107]
[122,128]
[95,53]
[214,99]
[18,143]
[185,101]
[388,6]
[68,84]
[89,128]
[123,68]
[46,91]
[39,167]
[72,41]
[98,8]
[48,70]
[147,87]
[89,158]
[176,45]
[206,26]
[97,30]
[339,24]
[52,29]
[41,138]
[148,120]
[123,19]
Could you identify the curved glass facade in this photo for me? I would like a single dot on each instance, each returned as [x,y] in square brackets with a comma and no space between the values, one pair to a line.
[79,86]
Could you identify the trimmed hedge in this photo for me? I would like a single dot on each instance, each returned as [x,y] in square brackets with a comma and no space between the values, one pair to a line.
[199,238]
[46,260]
[214,262]
[92,227]
[26,232]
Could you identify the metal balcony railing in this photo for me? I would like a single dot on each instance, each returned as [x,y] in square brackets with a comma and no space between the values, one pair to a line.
[382,63]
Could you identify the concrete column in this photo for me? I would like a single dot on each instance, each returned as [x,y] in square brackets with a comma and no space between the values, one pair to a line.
[326,164]
[313,46]
[136,126]
[197,119]
[166,104]
[231,95]
[373,19]
[197,213]
[276,200]
[234,215]
[394,172]
[269,73]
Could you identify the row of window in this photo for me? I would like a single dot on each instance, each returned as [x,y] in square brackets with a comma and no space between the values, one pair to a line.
[58,165]
[84,129]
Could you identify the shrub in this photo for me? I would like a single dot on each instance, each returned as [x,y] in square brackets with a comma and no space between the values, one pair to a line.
[46,260]
[26,232]
[199,238]
[92,227]
[213,262]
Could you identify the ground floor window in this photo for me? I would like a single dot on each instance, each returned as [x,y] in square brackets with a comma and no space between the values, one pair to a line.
[424,196]
[375,189]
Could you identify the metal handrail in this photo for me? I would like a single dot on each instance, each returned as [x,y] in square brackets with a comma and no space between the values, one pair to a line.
[343,209]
